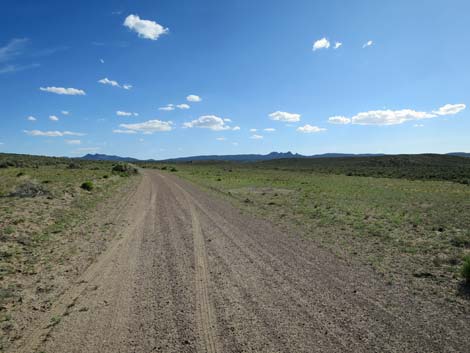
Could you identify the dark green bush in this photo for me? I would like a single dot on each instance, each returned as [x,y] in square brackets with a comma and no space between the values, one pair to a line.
[466,269]
[87,185]
[124,169]
[173,169]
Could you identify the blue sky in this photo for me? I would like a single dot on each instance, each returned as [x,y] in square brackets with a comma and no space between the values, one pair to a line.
[196,77]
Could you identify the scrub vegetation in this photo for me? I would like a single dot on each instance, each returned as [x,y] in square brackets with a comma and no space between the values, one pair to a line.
[397,214]
[45,204]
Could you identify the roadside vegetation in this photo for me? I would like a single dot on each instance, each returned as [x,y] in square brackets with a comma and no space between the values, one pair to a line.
[45,206]
[415,231]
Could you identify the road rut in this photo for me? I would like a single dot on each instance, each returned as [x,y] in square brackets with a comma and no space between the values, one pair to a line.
[190,273]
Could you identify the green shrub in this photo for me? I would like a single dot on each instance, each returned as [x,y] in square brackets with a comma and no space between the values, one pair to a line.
[466,268]
[173,169]
[87,185]
[29,188]
[124,169]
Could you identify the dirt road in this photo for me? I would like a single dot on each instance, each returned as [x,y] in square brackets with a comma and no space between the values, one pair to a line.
[190,273]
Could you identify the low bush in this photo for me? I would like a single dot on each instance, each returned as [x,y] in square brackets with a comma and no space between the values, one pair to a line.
[87,185]
[466,269]
[29,188]
[124,169]
[173,169]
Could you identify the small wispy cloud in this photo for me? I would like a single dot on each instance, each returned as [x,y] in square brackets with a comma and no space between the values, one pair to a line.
[337,45]
[183,106]
[256,137]
[14,48]
[120,131]
[220,138]
[168,107]
[53,118]
[123,113]
[73,142]
[16,68]
[107,81]
[310,129]
[369,43]
[52,133]
[64,91]
[145,28]
[31,118]
[269,129]
[65,112]
[149,127]
[102,61]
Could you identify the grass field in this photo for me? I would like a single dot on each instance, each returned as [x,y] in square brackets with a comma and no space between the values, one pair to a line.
[411,230]
[41,201]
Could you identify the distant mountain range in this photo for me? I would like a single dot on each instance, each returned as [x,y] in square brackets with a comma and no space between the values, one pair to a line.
[240,157]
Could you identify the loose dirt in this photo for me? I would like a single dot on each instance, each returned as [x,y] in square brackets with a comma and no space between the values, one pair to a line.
[190,273]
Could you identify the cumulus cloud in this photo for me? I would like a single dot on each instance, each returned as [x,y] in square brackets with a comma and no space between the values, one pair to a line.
[145,28]
[389,117]
[31,118]
[256,137]
[211,122]
[53,118]
[193,98]
[310,129]
[321,44]
[52,133]
[149,127]
[122,113]
[65,112]
[450,109]
[183,106]
[395,117]
[270,129]
[62,90]
[337,45]
[73,142]
[107,81]
[339,120]
[369,43]
[285,116]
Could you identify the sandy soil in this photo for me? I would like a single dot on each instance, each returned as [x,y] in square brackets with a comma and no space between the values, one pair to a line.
[190,273]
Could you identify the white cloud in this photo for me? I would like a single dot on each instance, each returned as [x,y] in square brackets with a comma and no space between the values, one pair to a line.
[193,98]
[395,117]
[285,116]
[183,106]
[221,138]
[149,127]
[102,61]
[337,45]
[51,133]
[389,117]
[62,90]
[270,129]
[227,120]
[418,125]
[369,43]
[450,109]
[73,142]
[31,118]
[211,122]
[341,120]
[321,44]
[253,130]
[168,107]
[53,118]
[14,48]
[256,137]
[65,112]
[236,128]
[309,129]
[145,28]
[122,113]
[107,81]
[119,131]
